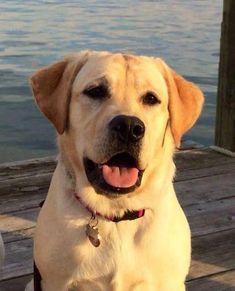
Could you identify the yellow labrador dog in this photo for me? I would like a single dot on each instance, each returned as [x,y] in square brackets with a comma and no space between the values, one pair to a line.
[111,220]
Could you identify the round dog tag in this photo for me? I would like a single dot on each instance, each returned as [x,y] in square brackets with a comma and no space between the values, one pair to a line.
[92,233]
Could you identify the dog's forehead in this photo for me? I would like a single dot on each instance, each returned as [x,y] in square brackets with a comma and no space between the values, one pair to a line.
[117,68]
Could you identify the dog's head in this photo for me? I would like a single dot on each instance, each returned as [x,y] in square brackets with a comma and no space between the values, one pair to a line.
[116,116]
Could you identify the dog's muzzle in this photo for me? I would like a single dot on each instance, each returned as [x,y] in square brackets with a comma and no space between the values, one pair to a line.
[121,173]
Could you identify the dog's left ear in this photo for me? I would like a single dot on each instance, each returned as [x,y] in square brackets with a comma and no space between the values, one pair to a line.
[52,86]
[185,102]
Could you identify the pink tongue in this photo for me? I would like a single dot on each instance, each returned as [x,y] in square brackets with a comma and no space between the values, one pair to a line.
[120,176]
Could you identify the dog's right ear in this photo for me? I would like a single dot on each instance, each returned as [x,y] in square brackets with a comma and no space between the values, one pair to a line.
[52,86]
[185,102]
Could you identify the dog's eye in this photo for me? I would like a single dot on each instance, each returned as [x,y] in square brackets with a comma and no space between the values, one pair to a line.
[97,92]
[150,99]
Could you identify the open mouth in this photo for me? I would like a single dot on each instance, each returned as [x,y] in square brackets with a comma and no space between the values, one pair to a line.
[119,175]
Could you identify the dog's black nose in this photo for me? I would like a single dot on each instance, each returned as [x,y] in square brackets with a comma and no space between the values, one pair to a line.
[127,128]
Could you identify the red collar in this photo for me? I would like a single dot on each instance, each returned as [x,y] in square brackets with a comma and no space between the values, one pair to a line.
[128,215]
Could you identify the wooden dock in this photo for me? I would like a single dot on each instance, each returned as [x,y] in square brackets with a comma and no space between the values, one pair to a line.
[205,184]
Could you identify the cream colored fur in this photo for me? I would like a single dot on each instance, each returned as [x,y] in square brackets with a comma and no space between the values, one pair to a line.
[151,253]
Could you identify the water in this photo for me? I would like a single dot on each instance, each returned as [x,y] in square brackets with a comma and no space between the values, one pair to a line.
[35,33]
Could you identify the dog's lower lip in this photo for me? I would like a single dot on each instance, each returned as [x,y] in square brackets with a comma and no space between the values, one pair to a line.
[119,175]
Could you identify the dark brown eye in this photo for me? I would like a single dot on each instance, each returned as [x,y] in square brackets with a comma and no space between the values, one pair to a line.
[98,92]
[150,99]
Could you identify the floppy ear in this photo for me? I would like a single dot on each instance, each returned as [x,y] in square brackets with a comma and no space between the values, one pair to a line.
[52,86]
[185,103]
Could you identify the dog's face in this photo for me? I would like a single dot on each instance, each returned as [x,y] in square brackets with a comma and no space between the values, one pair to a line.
[118,109]
[116,115]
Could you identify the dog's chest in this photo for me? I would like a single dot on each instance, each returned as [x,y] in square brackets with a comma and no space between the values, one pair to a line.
[107,270]
[119,254]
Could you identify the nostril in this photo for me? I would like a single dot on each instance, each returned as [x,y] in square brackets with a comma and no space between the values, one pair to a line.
[120,125]
[138,130]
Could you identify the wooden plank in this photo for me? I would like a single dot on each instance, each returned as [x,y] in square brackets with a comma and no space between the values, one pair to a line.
[16,169]
[213,253]
[18,220]
[188,174]
[27,200]
[218,282]
[19,234]
[225,115]
[211,217]
[24,184]
[18,261]
[200,159]
[205,189]
[15,284]
[41,169]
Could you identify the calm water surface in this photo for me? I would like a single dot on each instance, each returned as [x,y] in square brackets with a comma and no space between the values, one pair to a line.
[35,33]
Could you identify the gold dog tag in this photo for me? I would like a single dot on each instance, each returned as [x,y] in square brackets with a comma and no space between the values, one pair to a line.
[92,233]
